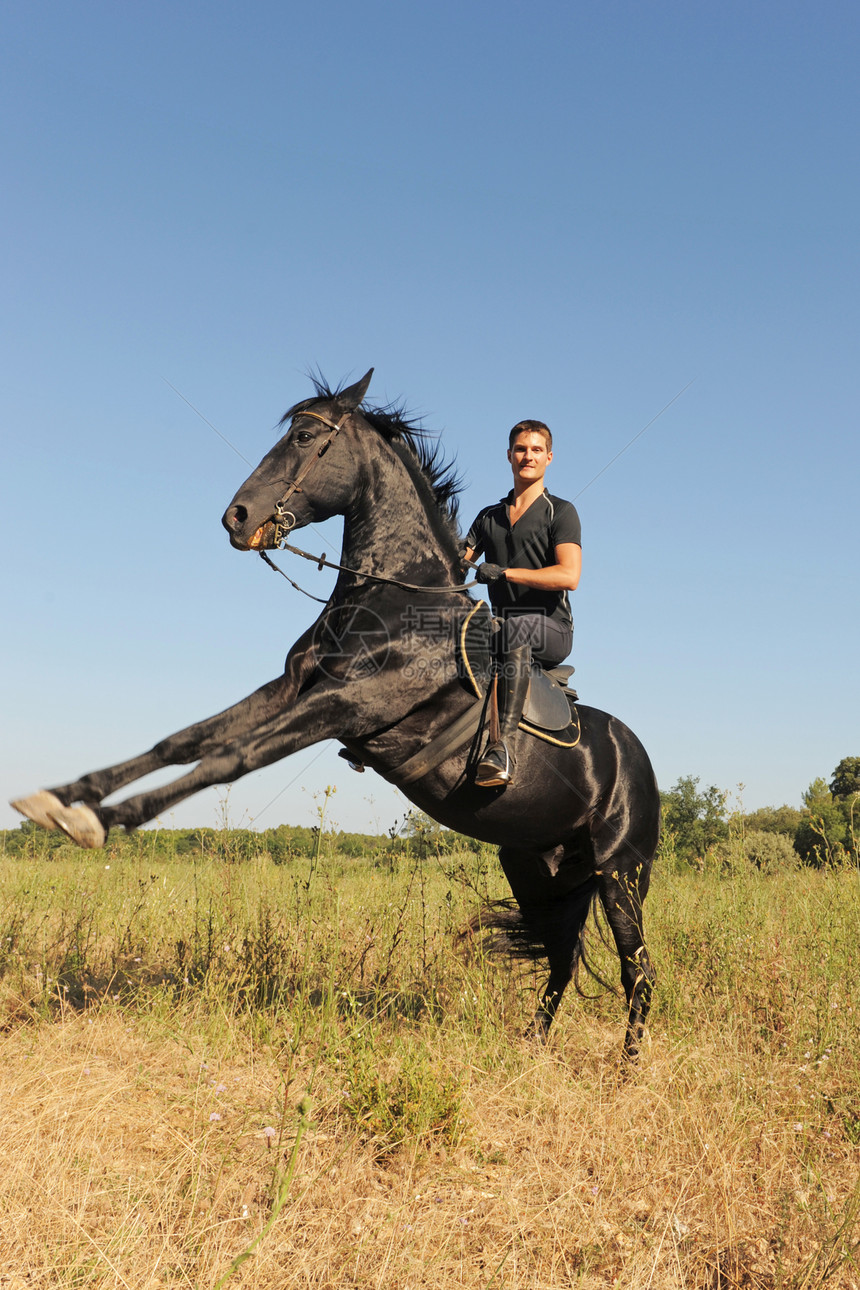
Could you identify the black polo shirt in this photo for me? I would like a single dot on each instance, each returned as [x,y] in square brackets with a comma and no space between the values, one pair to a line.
[530,544]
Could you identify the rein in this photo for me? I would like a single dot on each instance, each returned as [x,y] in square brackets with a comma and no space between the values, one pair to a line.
[285,522]
[322,562]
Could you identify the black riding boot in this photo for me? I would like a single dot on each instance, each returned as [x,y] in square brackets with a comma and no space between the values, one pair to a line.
[496,767]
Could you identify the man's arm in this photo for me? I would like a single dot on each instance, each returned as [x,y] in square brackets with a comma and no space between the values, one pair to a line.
[561,576]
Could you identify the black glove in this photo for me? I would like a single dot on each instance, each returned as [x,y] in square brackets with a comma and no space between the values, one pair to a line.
[489,572]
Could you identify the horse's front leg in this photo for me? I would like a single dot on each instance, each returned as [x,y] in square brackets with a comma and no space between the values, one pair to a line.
[317,715]
[194,742]
[184,746]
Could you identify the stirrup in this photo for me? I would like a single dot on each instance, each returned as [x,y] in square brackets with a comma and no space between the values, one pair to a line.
[496,767]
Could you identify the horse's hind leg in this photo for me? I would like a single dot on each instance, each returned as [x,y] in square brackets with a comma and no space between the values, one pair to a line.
[554,891]
[623,879]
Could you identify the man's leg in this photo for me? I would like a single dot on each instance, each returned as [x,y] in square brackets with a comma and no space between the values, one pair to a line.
[523,635]
[496,767]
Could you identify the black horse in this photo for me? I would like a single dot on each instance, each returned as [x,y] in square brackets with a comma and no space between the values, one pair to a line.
[377,672]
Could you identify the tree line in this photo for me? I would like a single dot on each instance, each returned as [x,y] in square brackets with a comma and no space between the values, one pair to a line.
[823,832]
[416,834]
[696,823]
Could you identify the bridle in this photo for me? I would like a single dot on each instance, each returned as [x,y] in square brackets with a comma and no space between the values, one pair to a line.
[285,521]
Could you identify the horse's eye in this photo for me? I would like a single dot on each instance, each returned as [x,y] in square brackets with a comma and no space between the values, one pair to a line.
[304,436]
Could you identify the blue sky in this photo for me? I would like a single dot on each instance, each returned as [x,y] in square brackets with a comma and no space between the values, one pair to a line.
[563,211]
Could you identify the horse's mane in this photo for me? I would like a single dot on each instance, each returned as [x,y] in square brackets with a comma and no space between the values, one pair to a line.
[421,452]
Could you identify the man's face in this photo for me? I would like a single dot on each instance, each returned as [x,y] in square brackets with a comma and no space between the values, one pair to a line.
[529,457]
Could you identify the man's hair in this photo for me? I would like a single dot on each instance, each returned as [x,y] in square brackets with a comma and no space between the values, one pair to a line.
[531,427]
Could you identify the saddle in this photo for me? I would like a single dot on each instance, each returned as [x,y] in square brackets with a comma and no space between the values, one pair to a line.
[549,712]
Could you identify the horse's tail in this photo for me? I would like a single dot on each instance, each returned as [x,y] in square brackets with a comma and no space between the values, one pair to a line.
[556,932]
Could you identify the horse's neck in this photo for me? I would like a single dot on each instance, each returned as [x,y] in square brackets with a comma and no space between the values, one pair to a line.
[389,531]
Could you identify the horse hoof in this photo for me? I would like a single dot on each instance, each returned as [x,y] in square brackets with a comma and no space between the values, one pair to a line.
[81,824]
[537,1031]
[41,808]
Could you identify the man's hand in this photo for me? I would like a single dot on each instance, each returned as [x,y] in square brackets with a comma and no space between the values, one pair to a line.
[487,573]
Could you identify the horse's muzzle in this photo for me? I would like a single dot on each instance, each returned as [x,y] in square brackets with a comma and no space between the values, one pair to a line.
[236,521]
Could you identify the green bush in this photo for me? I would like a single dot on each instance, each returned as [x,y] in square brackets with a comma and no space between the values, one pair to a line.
[770,852]
[395,1091]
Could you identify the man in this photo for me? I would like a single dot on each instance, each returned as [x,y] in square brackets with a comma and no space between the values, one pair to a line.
[533,549]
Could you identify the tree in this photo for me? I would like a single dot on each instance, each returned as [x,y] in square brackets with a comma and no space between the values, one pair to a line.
[846,778]
[828,832]
[774,819]
[818,794]
[695,820]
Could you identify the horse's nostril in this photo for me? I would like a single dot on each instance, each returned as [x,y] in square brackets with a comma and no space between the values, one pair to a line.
[239,514]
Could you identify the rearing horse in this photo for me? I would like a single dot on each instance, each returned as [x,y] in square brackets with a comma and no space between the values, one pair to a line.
[377,672]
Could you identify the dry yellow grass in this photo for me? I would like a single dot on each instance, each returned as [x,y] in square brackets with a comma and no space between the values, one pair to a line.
[134,1149]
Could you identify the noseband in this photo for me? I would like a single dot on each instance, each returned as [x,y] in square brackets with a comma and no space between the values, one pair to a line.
[285,520]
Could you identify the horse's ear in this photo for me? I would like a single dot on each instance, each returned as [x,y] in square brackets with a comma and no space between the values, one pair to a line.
[351,397]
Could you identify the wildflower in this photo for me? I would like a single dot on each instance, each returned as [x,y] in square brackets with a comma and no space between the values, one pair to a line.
[221,1088]
[214,1116]
[798,1128]
[269,1133]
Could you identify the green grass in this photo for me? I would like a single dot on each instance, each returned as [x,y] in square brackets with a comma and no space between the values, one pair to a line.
[770,958]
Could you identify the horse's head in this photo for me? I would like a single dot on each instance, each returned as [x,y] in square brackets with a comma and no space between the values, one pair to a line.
[291,487]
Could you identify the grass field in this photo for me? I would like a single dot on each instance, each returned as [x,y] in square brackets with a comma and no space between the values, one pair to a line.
[163,1020]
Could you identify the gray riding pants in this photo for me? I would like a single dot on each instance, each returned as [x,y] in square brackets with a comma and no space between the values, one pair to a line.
[550,642]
